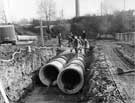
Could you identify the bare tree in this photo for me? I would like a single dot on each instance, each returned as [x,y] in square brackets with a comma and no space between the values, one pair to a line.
[3,18]
[47,9]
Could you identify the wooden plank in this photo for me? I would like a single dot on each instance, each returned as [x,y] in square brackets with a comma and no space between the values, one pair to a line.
[3,93]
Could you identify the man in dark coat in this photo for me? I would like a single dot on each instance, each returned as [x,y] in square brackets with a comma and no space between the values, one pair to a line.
[83,34]
[59,39]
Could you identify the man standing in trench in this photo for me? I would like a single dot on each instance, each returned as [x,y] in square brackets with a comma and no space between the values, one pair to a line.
[59,39]
[86,46]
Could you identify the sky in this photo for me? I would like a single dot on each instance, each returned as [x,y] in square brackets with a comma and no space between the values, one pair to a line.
[19,9]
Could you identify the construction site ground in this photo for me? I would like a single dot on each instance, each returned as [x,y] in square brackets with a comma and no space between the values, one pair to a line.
[104,61]
[126,82]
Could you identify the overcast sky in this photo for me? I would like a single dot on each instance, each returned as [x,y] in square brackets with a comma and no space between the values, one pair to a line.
[19,9]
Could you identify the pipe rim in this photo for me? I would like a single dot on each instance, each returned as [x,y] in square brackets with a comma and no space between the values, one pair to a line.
[57,63]
[76,89]
[42,78]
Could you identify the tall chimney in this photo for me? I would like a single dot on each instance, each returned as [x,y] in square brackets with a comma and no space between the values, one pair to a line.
[77,8]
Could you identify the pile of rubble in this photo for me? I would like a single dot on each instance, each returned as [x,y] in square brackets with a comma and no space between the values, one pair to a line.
[101,88]
[16,74]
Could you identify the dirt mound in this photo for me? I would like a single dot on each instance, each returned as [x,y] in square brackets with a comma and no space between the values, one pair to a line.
[17,66]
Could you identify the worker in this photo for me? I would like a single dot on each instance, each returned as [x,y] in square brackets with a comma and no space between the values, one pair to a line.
[72,43]
[72,35]
[59,39]
[75,44]
[71,38]
[86,46]
[81,44]
[83,35]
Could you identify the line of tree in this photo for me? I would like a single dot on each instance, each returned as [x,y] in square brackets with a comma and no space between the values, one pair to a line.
[119,21]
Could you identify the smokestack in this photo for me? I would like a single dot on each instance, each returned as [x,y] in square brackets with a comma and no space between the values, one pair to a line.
[77,8]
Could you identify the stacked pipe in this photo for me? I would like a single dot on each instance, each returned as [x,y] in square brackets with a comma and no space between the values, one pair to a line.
[49,72]
[71,79]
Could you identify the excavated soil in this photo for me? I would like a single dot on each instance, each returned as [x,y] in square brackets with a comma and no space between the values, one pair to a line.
[102,83]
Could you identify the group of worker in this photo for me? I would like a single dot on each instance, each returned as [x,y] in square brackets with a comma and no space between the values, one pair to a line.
[79,43]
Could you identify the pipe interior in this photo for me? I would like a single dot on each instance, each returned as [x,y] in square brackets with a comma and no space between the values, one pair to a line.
[70,79]
[51,72]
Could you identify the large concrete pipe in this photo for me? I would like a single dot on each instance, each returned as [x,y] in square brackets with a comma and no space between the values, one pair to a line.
[49,72]
[27,38]
[71,79]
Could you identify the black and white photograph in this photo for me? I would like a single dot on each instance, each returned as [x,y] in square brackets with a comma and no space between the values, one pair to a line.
[67,51]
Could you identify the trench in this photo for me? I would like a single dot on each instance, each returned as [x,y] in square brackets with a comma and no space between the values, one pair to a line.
[53,94]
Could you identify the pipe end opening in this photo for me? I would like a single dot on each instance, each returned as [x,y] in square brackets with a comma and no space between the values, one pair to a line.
[50,72]
[70,79]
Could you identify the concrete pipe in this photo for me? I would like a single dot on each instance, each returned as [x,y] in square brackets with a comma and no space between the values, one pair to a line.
[27,38]
[49,72]
[71,79]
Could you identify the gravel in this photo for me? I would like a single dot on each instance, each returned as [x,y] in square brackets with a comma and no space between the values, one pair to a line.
[100,85]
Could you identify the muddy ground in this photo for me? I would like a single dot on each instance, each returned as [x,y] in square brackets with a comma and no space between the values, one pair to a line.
[126,82]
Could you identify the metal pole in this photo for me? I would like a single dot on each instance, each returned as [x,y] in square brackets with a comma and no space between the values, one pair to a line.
[124,4]
[77,8]
[41,32]
[101,6]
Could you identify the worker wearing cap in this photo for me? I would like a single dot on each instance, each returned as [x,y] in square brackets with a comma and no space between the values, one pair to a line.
[81,44]
[71,38]
[86,46]
[75,44]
